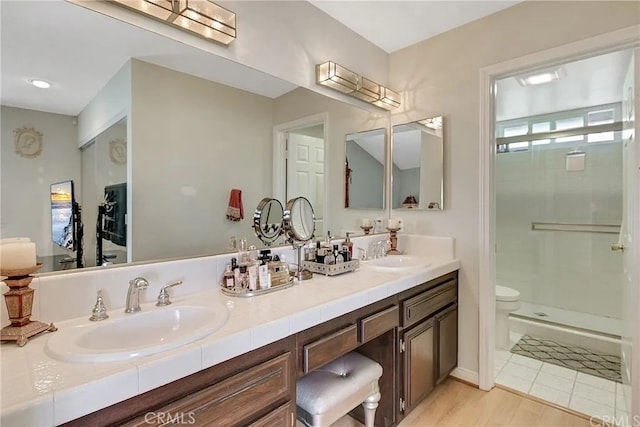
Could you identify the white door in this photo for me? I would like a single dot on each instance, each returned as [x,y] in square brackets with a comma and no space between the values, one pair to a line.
[305,173]
[628,243]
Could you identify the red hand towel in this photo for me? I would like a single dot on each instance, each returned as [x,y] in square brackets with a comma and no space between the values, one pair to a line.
[235,211]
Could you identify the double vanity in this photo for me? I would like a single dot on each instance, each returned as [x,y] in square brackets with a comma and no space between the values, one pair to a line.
[211,358]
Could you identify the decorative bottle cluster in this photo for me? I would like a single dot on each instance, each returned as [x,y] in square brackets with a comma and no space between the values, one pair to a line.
[251,271]
[324,252]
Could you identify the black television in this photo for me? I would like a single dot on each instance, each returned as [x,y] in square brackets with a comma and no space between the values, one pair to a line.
[63,227]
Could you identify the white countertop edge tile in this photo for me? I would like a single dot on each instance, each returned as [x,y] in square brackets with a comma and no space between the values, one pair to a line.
[138,377]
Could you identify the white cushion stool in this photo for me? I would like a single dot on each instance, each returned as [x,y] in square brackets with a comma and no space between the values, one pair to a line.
[329,393]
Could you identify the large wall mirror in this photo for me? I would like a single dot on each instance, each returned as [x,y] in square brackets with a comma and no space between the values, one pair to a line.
[417,165]
[197,127]
[365,169]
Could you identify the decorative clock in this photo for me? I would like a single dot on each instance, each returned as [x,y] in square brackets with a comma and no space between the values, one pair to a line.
[118,151]
[28,142]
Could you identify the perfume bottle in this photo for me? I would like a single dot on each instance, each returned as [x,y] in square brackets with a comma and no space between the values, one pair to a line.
[229,280]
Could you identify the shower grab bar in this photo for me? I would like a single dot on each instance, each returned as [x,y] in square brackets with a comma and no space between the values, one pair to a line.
[580,228]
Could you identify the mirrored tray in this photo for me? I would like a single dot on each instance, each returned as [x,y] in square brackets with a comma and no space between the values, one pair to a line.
[245,293]
[331,269]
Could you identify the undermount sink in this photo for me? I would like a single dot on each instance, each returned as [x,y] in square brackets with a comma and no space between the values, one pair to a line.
[134,335]
[398,263]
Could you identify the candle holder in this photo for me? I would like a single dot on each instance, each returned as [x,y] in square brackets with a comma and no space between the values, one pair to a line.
[393,238]
[366,228]
[19,300]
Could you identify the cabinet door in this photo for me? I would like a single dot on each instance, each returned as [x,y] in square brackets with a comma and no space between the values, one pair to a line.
[419,363]
[447,331]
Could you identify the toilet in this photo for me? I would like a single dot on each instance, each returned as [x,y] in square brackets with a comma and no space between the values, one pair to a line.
[507,301]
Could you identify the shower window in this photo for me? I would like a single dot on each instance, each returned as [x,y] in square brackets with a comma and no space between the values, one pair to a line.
[515,135]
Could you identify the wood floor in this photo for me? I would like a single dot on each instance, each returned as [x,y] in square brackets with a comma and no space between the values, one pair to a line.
[454,403]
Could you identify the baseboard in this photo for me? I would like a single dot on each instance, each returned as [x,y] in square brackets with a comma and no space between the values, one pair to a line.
[466,375]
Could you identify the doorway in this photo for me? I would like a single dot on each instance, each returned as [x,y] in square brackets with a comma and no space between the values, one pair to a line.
[300,165]
[607,43]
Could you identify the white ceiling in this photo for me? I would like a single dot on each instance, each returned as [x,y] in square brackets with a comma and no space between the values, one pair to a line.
[393,25]
[588,82]
[79,50]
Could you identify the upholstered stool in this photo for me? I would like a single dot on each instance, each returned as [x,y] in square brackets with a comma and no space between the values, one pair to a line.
[329,393]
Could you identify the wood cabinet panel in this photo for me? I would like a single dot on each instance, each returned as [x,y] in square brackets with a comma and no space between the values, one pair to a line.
[419,363]
[283,416]
[447,331]
[377,324]
[231,401]
[324,350]
[425,304]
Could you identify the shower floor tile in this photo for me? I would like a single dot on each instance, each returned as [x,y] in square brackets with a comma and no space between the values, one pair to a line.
[580,359]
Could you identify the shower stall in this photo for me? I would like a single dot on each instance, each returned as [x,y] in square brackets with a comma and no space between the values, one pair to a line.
[558,210]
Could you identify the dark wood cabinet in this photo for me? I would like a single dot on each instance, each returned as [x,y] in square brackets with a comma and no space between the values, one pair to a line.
[428,339]
[418,348]
[446,326]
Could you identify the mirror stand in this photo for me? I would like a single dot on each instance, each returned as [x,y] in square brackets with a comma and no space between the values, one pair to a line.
[302,273]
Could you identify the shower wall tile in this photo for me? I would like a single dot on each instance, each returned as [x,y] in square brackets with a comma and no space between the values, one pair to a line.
[548,267]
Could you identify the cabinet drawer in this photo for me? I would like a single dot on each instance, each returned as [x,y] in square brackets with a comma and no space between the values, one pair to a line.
[377,324]
[427,303]
[233,400]
[280,417]
[326,349]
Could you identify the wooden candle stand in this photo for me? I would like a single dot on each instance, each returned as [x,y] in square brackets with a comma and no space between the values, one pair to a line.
[19,300]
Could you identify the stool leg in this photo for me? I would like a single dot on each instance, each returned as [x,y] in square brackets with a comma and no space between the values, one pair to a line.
[370,404]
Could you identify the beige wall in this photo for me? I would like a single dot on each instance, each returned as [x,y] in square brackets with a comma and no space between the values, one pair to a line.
[440,76]
[193,141]
[26,209]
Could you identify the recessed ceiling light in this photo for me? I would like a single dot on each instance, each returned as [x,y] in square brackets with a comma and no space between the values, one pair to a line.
[540,77]
[40,83]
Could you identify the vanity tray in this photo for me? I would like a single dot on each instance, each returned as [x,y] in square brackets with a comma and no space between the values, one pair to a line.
[244,293]
[331,269]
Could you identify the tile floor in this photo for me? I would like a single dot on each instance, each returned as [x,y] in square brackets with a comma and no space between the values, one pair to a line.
[565,387]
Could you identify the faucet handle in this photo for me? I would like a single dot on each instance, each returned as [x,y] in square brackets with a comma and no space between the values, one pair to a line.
[362,253]
[99,310]
[163,298]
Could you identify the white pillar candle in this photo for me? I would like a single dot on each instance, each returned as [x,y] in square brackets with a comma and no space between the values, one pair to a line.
[393,223]
[366,222]
[17,255]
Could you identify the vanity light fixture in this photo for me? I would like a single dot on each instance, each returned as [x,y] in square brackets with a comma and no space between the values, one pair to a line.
[41,84]
[346,81]
[201,17]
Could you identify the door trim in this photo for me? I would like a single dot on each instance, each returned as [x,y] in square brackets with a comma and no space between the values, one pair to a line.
[624,38]
[279,148]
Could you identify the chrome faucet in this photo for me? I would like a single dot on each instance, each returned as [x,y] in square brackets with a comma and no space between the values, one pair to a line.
[133,294]
[163,298]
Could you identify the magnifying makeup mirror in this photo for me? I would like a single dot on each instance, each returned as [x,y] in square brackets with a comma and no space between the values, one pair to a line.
[268,220]
[299,226]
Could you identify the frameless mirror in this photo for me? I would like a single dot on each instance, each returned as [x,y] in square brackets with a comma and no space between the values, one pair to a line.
[267,220]
[299,220]
[186,150]
[418,164]
[364,169]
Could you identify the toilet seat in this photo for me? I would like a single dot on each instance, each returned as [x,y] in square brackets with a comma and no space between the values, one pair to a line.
[506,294]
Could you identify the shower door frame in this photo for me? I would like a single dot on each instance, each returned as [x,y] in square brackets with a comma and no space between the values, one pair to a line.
[622,39]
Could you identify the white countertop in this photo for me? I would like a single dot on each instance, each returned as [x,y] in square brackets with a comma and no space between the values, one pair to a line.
[38,390]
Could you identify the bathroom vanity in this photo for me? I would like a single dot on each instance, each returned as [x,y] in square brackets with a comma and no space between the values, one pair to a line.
[245,372]
[412,334]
